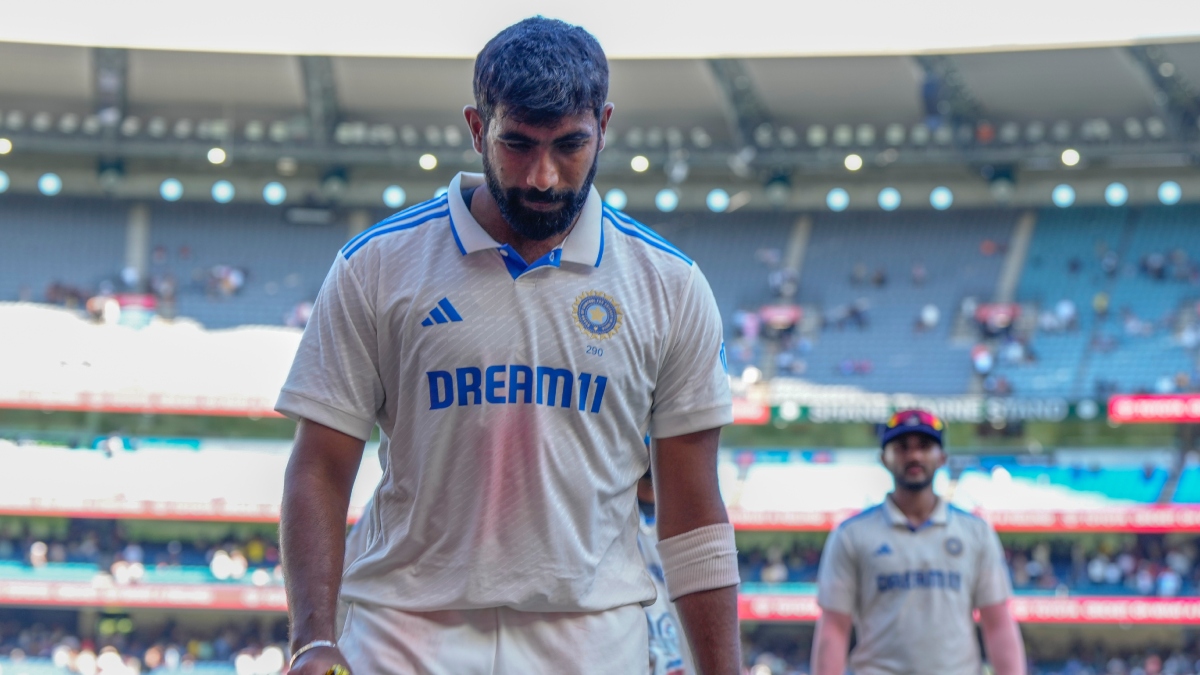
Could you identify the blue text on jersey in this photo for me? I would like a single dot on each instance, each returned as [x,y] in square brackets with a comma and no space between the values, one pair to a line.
[516,383]
[918,580]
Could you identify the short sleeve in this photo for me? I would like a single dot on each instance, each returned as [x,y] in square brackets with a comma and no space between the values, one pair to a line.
[692,392]
[837,576]
[993,585]
[334,378]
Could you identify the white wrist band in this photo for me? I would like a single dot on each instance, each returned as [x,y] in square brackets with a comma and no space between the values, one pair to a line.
[700,560]
[312,645]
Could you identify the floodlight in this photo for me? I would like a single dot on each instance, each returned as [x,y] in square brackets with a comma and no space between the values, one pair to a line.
[616,198]
[274,193]
[837,199]
[222,192]
[171,189]
[889,199]
[1063,196]
[50,184]
[1116,194]
[394,196]
[717,200]
[666,200]
[941,198]
[1169,193]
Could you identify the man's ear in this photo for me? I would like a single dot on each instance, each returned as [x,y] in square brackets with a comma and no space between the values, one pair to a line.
[605,116]
[477,127]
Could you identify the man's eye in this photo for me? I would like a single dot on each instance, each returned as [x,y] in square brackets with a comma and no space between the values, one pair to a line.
[570,147]
[517,147]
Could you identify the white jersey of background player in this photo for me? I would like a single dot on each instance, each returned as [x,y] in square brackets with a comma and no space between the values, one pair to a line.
[513,340]
[669,652]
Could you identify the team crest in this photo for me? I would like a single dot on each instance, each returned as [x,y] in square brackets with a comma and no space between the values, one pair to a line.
[597,315]
[954,546]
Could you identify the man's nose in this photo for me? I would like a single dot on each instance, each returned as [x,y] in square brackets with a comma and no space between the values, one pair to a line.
[543,175]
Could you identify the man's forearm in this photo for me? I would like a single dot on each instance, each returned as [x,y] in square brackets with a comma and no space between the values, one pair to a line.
[312,532]
[830,644]
[1005,649]
[710,622]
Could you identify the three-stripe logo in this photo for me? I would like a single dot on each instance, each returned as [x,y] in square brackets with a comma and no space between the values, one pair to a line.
[443,313]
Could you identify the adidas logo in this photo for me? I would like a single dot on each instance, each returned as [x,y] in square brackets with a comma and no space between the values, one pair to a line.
[443,313]
[884,550]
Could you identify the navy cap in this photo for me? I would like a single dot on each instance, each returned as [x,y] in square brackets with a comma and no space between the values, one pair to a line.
[912,422]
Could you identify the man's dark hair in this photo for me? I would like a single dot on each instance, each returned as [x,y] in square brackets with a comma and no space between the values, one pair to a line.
[541,70]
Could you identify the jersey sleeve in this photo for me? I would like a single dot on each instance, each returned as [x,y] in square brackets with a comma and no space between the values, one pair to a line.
[992,586]
[334,378]
[837,575]
[692,392]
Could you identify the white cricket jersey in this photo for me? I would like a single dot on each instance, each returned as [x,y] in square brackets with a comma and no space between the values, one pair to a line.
[513,398]
[912,590]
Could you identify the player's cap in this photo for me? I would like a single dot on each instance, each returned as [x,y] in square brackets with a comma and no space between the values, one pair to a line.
[910,422]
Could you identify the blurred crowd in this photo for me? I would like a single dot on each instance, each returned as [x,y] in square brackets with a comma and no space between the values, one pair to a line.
[127,561]
[125,652]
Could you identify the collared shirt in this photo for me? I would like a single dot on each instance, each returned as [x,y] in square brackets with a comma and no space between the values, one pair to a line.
[911,590]
[512,397]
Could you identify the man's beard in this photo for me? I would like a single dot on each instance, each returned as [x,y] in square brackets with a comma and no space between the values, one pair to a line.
[913,484]
[538,225]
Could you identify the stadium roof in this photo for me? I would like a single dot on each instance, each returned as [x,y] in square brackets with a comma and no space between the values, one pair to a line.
[112,114]
[628,28]
[1049,85]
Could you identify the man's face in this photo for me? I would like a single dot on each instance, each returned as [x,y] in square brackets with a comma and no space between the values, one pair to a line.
[540,175]
[913,459]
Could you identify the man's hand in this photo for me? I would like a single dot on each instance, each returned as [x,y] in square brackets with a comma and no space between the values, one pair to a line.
[687,498]
[319,661]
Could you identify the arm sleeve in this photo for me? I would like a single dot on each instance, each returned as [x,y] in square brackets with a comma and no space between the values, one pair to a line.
[334,378]
[992,585]
[837,575]
[692,392]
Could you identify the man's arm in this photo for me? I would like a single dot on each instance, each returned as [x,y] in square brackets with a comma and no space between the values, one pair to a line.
[312,531]
[687,497]
[831,642]
[1002,638]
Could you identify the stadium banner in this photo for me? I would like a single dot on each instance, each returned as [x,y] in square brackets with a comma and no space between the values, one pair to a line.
[1025,609]
[180,596]
[870,408]
[1155,409]
[1139,520]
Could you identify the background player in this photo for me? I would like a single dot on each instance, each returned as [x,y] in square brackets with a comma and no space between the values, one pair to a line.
[907,575]
[669,651]
[468,328]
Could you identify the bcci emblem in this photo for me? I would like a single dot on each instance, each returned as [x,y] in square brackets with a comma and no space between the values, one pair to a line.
[597,315]
[954,546]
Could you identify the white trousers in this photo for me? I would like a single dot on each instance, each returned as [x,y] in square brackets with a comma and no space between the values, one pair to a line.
[499,641]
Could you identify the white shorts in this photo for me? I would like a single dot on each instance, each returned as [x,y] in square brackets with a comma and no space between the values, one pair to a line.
[379,640]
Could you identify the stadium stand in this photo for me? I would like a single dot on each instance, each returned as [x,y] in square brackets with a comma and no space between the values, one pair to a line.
[281,264]
[1127,274]
[75,243]
[961,254]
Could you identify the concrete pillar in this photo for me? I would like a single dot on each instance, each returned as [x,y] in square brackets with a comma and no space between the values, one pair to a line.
[137,245]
